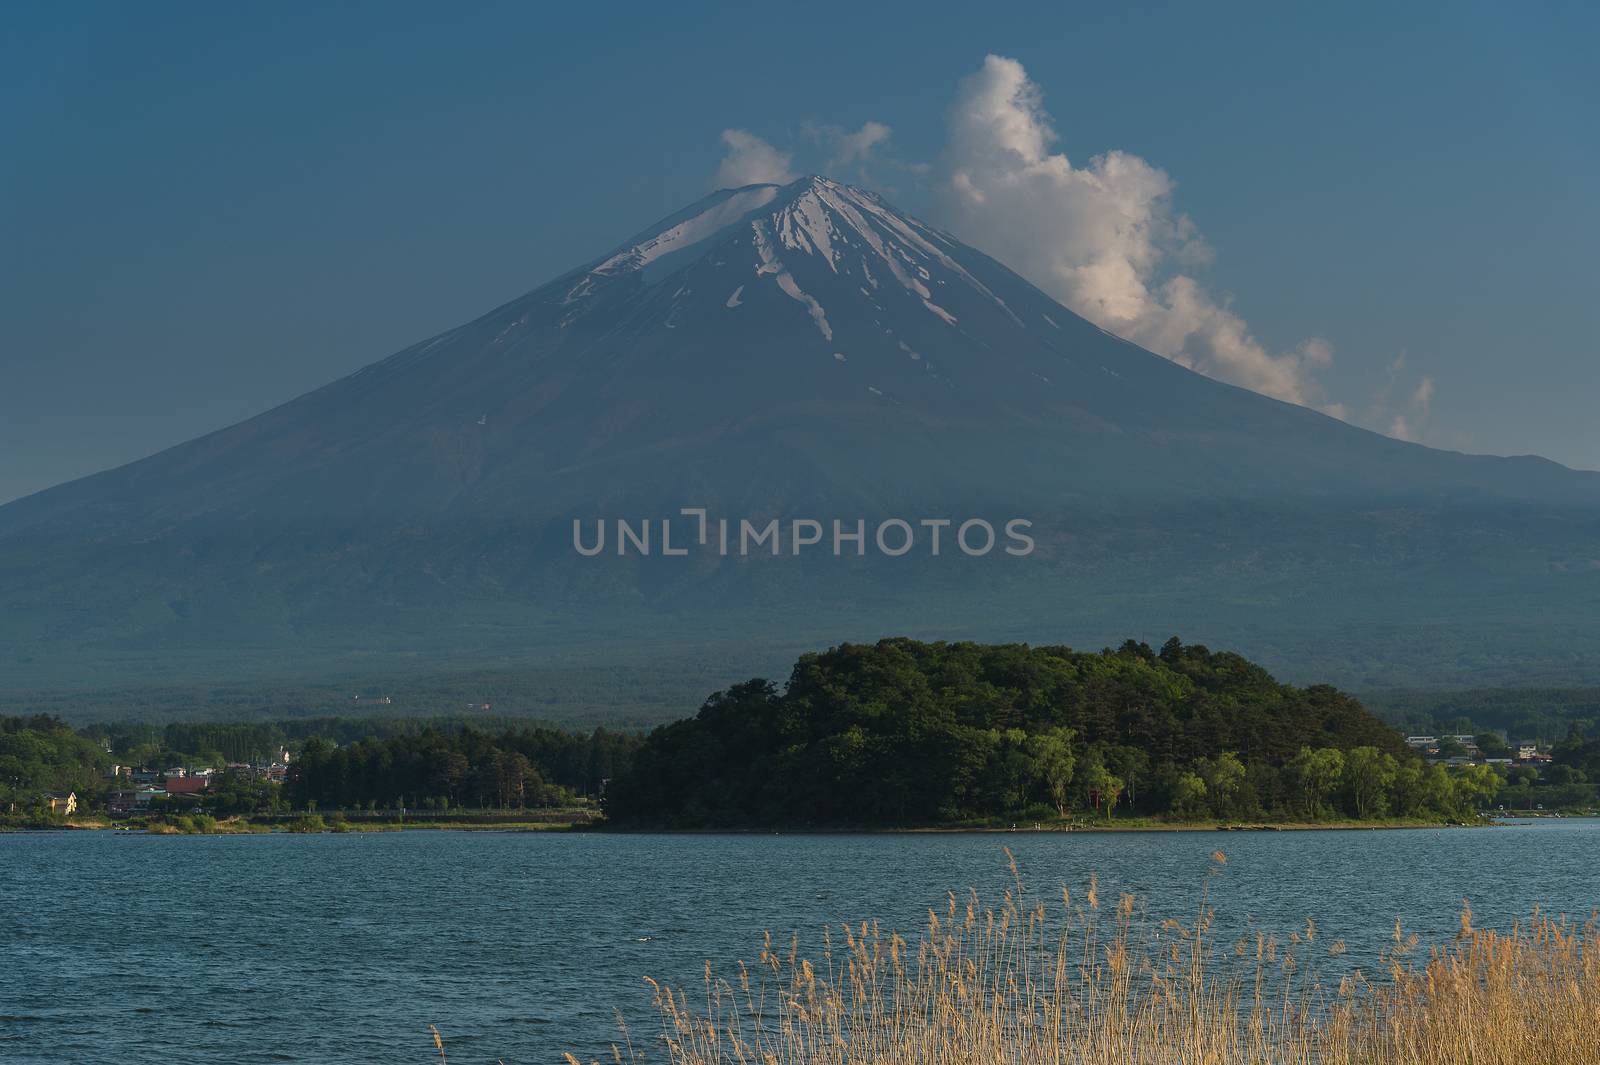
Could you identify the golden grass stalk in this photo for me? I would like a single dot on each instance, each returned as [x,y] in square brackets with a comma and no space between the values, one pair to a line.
[1022,982]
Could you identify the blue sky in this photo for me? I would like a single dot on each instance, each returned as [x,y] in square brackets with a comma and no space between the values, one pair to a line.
[206,210]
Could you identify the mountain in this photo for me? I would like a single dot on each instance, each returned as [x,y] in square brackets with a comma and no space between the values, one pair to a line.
[796,352]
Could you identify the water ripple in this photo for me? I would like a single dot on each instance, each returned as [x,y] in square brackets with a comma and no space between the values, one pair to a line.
[249,949]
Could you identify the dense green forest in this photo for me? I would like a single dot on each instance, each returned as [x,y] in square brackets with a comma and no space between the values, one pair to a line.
[434,769]
[902,732]
[338,762]
[1573,780]
[40,754]
[217,743]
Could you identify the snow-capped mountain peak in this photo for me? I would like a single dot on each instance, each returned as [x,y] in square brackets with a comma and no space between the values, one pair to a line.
[814,222]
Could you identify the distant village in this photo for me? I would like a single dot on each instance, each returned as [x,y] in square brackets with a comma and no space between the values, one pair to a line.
[1463,749]
[134,790]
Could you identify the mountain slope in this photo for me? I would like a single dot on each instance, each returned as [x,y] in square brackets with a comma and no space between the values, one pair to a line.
[796,351]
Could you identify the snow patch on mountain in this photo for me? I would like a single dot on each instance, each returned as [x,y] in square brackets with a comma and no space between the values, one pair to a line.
[805,226]
[691,231]
[897,241]
[771,264]
[850,230]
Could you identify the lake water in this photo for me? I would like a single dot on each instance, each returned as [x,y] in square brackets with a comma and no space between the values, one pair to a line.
[118,947]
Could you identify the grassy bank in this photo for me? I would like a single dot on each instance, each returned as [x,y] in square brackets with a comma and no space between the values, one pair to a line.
[1121,824]
[533,820]
[565,820]
[1158,824]
[1076,979]
[315,824]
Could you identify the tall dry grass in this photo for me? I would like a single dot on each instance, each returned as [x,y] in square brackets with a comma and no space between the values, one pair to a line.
[1084,981]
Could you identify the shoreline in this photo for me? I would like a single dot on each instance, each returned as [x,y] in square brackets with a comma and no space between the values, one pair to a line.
[1046,829]
[245,827]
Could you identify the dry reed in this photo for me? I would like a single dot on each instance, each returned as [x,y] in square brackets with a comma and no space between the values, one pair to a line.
[1071,982]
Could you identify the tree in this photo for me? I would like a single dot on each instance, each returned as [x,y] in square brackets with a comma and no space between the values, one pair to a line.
[1523,787]
[1474,785]
[1189,796]
[1439,792]
[1317,774]
[1131,764]
[449,771]
[488,779]
[1053,762]
[1101,786]
[1368,775]
[1224,778]
[1409,793]
[1011,769]
[516,776]
[1492,745]
[1563,775]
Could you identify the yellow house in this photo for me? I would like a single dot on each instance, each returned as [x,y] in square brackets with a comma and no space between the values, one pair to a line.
[62,802]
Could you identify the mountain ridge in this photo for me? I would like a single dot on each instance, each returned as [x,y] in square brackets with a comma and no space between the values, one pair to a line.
[773,351]
[583,289]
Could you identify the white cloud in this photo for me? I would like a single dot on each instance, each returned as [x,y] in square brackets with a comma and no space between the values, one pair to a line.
[1103,238]
[848,148]
[751,161]
[862,156]
[1406,418]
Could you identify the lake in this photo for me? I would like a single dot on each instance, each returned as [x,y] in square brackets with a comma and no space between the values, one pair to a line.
[120,947]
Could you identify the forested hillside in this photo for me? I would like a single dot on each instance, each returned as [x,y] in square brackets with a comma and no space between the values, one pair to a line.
[435,769]
[902,732]
[41,754]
